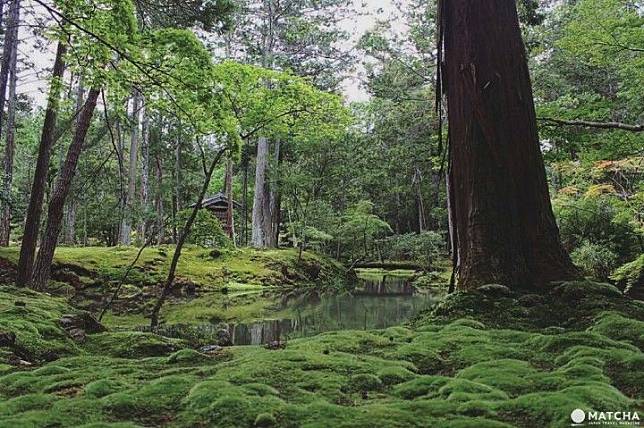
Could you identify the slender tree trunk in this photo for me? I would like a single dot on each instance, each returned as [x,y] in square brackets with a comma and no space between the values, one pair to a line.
[261,220]
[126,228]
[13,24]
[176,205]
[420,203]
[10,44]
[69,236]
[502,217]
[275,199]
[42,269]
[34,211]
[245,192]
[145,174]
[230,220]
[154,317]
[159,200]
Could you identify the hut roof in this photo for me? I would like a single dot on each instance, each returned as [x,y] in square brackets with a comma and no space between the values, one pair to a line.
[217,200]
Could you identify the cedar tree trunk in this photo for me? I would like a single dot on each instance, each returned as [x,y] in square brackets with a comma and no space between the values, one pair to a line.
[502,217]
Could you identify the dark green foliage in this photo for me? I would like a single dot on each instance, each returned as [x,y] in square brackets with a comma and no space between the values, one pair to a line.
[206,230]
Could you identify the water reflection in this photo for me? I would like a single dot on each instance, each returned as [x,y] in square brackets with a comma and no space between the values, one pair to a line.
[378,301]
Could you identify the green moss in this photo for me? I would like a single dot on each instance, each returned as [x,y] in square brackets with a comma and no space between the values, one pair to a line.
[394,375]
[456,366]
[35,323]
[131,344]
[364,382]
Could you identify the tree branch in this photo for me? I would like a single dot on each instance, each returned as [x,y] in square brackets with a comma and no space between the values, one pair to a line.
[591,124]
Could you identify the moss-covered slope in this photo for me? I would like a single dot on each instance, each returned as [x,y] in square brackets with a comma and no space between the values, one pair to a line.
[479,359]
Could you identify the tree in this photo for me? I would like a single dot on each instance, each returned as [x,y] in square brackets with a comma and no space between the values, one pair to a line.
[34,211]
[503,225]
[9,72]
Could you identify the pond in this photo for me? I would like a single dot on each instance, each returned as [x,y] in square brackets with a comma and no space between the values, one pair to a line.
[381,299]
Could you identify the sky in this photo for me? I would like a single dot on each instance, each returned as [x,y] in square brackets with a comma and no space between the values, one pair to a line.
[33,82]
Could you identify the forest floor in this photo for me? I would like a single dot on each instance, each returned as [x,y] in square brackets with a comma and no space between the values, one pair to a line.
[489,358]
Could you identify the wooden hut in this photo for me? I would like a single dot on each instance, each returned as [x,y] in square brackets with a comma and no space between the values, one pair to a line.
[218,206]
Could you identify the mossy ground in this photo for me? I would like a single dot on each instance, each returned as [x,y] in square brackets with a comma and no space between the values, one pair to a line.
[476,360]
[87,275]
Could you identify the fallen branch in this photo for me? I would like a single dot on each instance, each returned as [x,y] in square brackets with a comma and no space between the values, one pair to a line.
[591,124]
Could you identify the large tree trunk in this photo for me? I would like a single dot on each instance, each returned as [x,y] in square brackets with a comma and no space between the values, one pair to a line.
[42,268]
[261,221]
[126,228]
[34,211]
[10,59]
[504,225]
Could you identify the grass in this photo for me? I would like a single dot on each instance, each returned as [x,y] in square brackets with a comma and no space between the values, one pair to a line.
[474,360]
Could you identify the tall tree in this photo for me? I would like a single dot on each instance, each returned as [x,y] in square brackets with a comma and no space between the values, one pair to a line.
[9,71]
[126,227]
[500,207]
[42,268]
[34,210]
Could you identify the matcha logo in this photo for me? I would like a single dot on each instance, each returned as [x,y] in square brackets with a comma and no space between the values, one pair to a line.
[580,417]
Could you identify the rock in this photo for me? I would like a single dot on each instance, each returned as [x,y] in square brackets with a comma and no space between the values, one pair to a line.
[223,335]
[15,360]
[530,300]
[494,290]
[210,349]
[275,345]
[82,320]
[189,289]
[78,334]
[7,339]
[215,254]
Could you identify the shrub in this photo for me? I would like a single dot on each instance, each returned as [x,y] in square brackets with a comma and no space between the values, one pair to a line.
[594,259]
[630,276]
[422,248]
[206,230]
[602,220]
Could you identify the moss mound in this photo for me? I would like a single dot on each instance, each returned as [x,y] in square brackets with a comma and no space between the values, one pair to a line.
[475,360]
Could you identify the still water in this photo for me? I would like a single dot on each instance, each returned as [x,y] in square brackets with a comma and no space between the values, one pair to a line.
[378,301]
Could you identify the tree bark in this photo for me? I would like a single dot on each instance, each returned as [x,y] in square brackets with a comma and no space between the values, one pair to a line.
[42,269]
[261,220]
[34,211]
[502,217]
[11,41]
